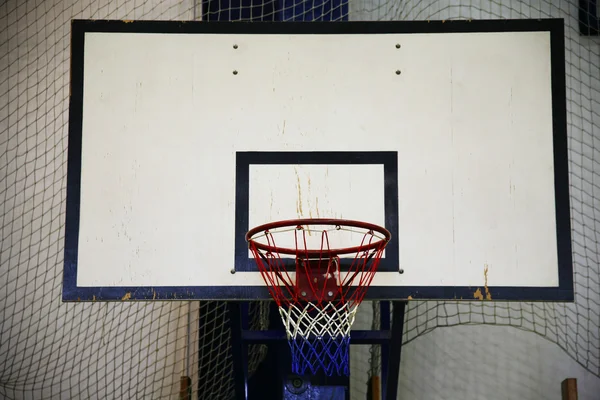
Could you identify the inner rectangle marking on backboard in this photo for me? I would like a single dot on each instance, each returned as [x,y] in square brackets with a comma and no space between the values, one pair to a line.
[273,186]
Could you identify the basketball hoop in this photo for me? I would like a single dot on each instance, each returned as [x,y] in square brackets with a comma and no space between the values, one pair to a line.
[318,287]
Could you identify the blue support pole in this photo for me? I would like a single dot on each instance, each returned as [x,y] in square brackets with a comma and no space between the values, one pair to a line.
[239,349]
[384,325]
[395,350]
[389,336]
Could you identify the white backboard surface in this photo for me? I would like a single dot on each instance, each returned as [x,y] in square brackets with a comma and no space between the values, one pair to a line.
[172,133]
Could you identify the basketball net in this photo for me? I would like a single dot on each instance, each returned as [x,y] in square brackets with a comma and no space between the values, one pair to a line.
[317,292]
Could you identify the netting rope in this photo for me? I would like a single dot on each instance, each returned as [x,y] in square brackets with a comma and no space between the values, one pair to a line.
[53,350]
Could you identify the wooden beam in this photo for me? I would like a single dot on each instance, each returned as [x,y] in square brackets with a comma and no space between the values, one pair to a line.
[569,389]
[185,386]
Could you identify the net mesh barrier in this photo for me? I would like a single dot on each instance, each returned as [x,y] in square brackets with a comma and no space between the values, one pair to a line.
[50,349]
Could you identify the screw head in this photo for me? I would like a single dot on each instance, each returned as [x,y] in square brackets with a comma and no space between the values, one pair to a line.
[235,72]
[303,293]
[235,46]
[401,270]
[398,72]
[398,45]
[330,293]
[232,271]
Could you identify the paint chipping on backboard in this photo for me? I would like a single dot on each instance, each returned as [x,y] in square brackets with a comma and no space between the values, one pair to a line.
[409,298]
[127,296]
[478,294]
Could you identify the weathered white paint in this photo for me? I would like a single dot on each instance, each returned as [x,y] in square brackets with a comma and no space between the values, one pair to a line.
[469,115]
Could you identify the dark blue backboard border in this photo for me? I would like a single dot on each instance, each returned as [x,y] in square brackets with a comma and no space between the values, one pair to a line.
[563,292]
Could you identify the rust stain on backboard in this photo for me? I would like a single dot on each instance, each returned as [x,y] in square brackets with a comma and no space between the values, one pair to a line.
[317,207]
[299,208]
[128,21]
[478,293]
[488,295]
[409,298]
[312,208]
[299,201]
[127,296]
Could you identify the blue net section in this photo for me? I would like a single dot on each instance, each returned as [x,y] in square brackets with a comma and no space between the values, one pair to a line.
[327,354]
[319,337]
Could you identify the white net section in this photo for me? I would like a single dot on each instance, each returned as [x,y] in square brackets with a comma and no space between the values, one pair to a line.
[52,350]
[310,320]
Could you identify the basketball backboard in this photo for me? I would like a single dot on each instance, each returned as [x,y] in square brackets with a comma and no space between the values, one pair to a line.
[452,135]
